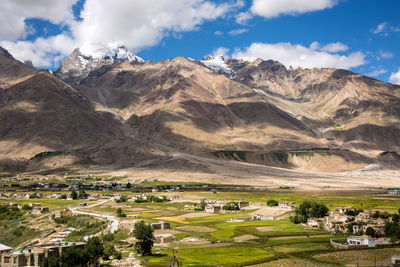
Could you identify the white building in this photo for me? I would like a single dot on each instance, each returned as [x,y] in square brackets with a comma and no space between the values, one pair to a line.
[362,241]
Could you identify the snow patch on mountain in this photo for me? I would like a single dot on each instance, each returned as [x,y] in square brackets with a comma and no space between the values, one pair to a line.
[89,57]
[218,65]
[117,53]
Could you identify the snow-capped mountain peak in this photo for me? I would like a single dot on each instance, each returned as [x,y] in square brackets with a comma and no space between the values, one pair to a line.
[217,64]
[89,57]
[116,53]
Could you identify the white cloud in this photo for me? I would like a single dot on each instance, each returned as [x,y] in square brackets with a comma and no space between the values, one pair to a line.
[42,52]
[380,28]
[135,24]
[395,77]
[335,47]
[243,17]
[300,56]
[221,51]
[238,31]
[218,33]
[385,29]
[385,55]
[13,14]
[274,8]
[377,73]
[142,23]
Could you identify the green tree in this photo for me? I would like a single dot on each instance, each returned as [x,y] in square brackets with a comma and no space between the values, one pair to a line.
[144,234]
[74,195]
[231,206]
[370,232]
[311,209]
[272,203]
[108,251]
[26,207]
[83,194]
[63,196]
[120,213]
[94,250]
[74,257]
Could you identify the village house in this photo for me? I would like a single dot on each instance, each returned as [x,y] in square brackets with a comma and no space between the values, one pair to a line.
[393,191]
[379,228]
[362,241]
[336,223]
[315,223]
[4,249]
[211,208]
[160,226]
[37,209]
[258,217]
[342,210]
[164,238]
[287,205]
[36,256]
[59,213]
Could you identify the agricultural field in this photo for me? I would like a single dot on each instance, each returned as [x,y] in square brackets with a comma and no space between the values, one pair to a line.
[222,238]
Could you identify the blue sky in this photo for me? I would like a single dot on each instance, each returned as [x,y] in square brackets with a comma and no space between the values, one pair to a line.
[360,35]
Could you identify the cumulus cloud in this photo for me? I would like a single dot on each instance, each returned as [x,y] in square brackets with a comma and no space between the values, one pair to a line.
[243,17]
[377,73]
[380,28]
[221,51]
[335,47]
[13,14]
[142,23]
[385,55]
[274,8]
[385,29]
[43,52]
[395,77]
[135,24]
[300,56]
[218,33]
[238,31]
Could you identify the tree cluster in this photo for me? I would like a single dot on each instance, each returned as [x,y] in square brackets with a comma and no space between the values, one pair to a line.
[144,234]
[88,256]
[201,206]
[151,199]
[309,209]
[82,194]
[232,206]
[272,203]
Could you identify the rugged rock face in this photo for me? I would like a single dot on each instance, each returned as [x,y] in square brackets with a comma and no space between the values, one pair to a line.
[39,112]
[90,57]
[235,104]
[111,105]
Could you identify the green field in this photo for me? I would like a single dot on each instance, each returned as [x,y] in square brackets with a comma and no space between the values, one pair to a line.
[228,238]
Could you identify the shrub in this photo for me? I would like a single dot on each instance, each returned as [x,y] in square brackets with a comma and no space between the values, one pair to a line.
[272,203]
[231,206]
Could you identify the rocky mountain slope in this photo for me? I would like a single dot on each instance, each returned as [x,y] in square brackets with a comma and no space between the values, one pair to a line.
[351,110]
[89,57]
[112,105]
[39,113]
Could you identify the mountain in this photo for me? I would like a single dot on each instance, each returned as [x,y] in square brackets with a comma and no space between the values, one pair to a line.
[40,113]
[89,57]
[351,110]
[113,108]
[234,105]
[181,103]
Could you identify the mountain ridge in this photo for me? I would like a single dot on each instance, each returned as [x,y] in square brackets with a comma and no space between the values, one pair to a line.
[131,109]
